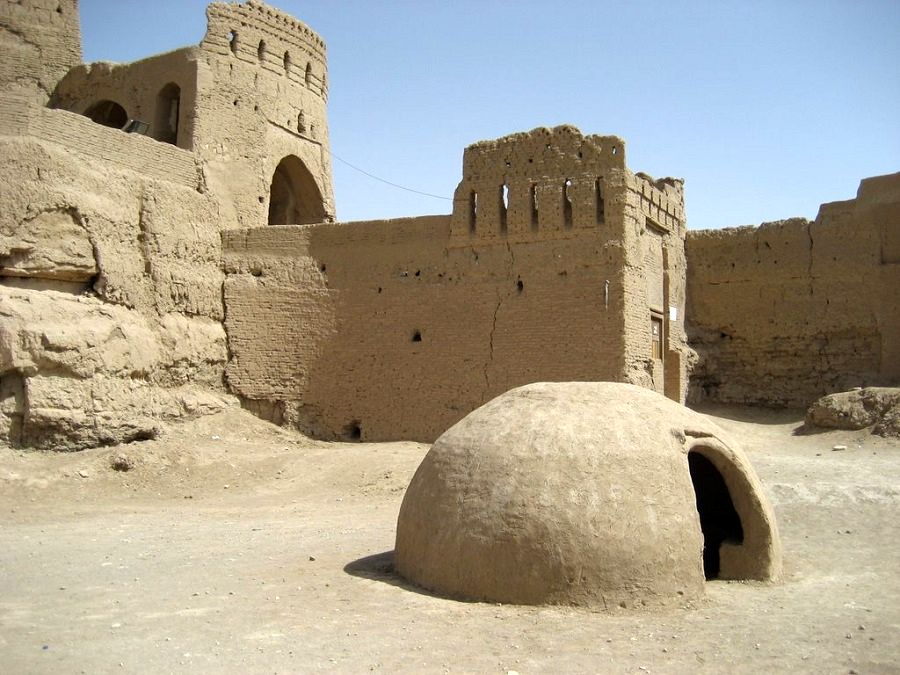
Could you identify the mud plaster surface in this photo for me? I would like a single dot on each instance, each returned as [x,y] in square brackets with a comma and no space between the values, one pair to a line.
[226,549]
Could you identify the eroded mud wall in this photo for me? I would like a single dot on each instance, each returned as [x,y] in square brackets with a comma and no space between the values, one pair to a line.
[110,283]
[788,311]
[40,40]
[376,331]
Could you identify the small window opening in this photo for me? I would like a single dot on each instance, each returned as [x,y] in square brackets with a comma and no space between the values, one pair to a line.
[233,42]
[533,196]
[473,210]
[323,267]
[567,204]
[601,207]
[301,123]
[352,431]
[261,51]
[504,206]
[719,520]
[287,63]
[417,336]
[520,286]
[308,76]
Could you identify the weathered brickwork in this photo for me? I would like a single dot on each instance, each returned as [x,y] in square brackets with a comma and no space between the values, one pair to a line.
[40,40]
[786,312]
[109,147]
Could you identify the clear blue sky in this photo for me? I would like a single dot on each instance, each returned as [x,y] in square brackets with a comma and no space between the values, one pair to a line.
[765,107]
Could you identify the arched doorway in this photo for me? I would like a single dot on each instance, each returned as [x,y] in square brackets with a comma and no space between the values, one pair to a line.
[719,520]
[294,197]
[108,113]
[165,124]
[740,538]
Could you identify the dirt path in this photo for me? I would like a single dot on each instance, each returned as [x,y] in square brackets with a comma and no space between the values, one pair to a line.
[233,546]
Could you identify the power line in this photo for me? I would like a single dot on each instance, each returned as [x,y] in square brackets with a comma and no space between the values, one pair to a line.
[387,182]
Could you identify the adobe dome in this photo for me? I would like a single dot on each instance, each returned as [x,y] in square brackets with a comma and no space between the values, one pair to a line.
[583,493]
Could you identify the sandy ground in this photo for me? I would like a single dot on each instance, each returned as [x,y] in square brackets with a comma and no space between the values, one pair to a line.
[234,546]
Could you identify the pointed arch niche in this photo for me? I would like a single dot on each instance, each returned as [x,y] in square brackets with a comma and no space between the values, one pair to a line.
[294,198]
[168,104]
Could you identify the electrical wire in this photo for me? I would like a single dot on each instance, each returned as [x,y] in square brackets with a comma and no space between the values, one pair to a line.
[387,182]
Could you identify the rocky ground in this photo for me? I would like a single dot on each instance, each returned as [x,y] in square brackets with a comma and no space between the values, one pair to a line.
[229,545]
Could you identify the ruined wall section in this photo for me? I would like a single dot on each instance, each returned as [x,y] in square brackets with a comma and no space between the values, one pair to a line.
[108,148]
[378,331]
[789,311]
[142,89]
[110,316]
[39,41]
[262,94]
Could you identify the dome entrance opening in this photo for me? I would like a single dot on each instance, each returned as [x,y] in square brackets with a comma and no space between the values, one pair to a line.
[719,520]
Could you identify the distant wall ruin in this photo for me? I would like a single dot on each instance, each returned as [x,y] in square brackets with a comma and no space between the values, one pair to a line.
[786,312]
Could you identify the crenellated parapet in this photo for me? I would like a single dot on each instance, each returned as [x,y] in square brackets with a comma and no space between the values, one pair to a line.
[660,202]
[536,185]
[256,33]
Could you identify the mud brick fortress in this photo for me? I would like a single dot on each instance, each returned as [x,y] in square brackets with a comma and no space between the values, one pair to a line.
[167,241]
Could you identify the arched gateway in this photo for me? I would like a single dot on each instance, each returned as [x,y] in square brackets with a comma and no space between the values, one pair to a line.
[294,198]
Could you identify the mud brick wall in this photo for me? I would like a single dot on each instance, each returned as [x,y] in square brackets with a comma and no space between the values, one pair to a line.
[788,311]
[40,40]
[112,148]
[378,331]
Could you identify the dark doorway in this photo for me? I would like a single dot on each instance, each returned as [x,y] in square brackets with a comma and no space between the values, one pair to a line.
[108,113]
[168,102]
[719,520]
[294,197]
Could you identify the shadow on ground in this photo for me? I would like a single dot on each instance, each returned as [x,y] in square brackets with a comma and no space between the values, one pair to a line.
[753,415]
[380,567]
